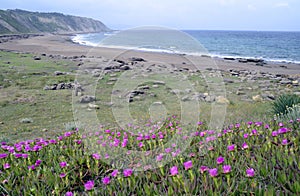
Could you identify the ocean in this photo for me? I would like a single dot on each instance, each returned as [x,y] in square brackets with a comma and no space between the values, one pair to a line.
[270,46]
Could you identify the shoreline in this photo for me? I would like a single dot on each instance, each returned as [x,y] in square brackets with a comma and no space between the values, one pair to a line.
[54,44]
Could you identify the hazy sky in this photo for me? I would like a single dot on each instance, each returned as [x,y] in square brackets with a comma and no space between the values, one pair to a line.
[181,14]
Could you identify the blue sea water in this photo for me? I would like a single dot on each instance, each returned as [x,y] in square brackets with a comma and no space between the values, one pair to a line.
[270,46]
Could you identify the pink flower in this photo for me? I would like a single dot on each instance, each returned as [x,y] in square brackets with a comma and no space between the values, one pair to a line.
[174,170]
[250,172]
[213,172]
[18,155]
[2,156]
[127,172]
[62,175]
[89,185]
[282,130]
[38,162]
[96,156]
[52,141]
[284,142]
[245,146]
[203,169]
[6,165]
[159,157]
[188,165]
[280,124]
[141,144]
[106,180]
[67,134]
[69,193]
[226,169]
[231,147]
[274,133]
[168,150]
[254,132]
[31,167]
[220,160]
[63,164]
[114,173]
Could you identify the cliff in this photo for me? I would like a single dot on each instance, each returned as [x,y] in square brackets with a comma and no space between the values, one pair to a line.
[21,21]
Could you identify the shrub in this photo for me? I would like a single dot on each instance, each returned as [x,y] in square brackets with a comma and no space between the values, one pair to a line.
[283,102]
[292,114]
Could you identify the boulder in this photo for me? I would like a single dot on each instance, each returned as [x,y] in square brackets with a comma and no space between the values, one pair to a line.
[87,99]
[257,98]
[137,59]
[222,100]
[93,106]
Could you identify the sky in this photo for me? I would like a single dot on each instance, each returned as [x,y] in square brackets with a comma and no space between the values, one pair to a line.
[258,15]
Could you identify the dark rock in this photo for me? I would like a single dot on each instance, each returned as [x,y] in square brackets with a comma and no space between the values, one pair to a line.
[120,61]
[87,99]
[124,68]
[283,66]
[229,58]
[243,61]
[255,60]
[137,59]
[144,87]
[227,80]
[37,58]
[59,73]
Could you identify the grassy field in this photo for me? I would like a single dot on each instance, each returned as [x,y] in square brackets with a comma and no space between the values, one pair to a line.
[22,80]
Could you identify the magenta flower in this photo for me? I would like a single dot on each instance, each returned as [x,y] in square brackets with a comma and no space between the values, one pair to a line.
[284,142]
[226,169]
[31,167]
[159,157]
[6,165]
[106,180]
[67,134]
[69,193]
[52,141]
[114,173]
[188,165]
[141,144]
[282,130]
[89,185]
[231,147]
[203,169]
[62,175]
[213,172]
[18,155]
[38,162]
[280,124]
[250,172]
[96,156]
[63,164]
[245,146]
[168,150]
[127,172]
[254,132]
[220,160]
[274,133]
[2,156]
[174,170]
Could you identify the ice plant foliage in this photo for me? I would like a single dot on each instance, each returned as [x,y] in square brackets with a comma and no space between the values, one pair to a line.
[214,162]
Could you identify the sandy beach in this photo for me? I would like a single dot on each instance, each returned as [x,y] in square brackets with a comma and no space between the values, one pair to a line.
[63,46]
